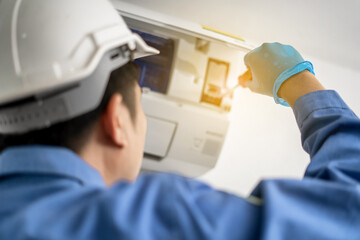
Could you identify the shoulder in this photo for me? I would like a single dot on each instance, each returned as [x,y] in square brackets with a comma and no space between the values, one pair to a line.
[150,184]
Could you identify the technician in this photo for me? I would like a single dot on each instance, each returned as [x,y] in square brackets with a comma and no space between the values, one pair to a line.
[72,135]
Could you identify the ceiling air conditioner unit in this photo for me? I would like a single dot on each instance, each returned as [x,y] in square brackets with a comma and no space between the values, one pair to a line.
[184,89]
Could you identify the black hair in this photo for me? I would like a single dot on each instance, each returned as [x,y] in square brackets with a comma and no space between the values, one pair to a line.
[73,134]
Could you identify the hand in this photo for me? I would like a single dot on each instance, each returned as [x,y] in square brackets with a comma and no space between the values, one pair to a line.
[270,65]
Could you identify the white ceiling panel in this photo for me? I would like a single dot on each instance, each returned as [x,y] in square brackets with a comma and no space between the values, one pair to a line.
[325,29]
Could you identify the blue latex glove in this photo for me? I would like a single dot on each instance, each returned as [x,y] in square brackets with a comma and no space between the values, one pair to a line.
[271,64]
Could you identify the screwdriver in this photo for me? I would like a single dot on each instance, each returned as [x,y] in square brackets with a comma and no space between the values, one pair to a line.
[242,79]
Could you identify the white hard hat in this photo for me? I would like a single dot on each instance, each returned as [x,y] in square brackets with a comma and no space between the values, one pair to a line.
[56,57]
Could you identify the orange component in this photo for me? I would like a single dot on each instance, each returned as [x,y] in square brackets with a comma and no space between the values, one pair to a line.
[247,76]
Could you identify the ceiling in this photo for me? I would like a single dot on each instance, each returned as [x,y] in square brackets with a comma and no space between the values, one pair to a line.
[324,29]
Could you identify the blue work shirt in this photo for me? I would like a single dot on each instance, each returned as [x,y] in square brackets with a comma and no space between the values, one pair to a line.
[50,193]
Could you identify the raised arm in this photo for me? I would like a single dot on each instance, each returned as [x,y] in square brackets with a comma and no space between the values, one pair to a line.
[330,131]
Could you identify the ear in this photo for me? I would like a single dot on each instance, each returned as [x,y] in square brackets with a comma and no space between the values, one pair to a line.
[112,121]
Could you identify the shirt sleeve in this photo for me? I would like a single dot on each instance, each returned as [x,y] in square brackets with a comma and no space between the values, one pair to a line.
[330,133]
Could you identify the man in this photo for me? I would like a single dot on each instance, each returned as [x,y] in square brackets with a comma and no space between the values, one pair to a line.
[72,135]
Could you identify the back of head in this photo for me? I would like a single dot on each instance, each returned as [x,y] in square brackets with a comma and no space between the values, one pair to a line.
[74,133]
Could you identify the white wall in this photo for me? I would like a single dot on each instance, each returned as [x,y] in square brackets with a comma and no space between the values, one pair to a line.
[264,140]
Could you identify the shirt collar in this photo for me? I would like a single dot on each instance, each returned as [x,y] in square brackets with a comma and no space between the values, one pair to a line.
[48,160]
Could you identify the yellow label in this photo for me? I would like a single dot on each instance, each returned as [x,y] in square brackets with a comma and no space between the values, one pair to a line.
[223,33]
